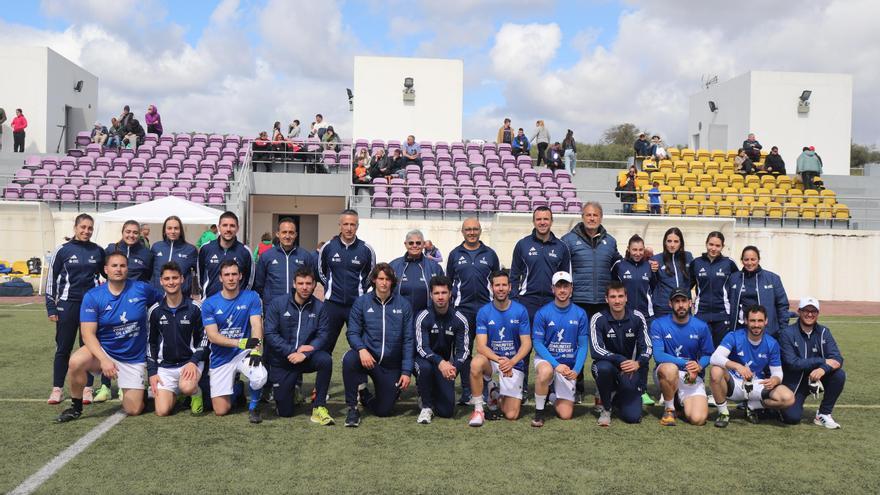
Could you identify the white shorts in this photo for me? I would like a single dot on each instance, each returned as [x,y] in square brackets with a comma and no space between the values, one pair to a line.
[222,376]
[686,390]
[169,378]
[128,375]
[738,394]
[510,386]
[563,387]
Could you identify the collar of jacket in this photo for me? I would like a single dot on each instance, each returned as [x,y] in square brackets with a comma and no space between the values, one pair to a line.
[551,239]
[346,246]
[413,259]
[387,301]
[282,251]
[479,248]
[755,273]
[581,230]
[308,302]
[184,303]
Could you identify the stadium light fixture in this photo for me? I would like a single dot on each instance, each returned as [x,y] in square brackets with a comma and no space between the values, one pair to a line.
[78,87]
[409,94]
[804,101]
[350,99]
[805,95]
[713,107]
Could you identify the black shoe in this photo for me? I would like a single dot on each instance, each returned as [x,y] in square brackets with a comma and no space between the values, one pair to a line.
[254,416]
[68,414]
[465,398]
[752,416]
[493,414]
[353,419]
[365,396]
[538,420]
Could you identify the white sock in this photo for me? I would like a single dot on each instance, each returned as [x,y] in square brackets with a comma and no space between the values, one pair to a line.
[540,401]
[722,408]
[478,402]
[669,404]
[756,404]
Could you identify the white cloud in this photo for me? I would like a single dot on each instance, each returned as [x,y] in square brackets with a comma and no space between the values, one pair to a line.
[524,48]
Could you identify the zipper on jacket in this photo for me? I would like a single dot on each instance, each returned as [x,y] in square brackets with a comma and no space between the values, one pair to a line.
[382,352]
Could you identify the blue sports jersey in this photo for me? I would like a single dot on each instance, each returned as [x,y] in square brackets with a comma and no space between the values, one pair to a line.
[504,329]
[561,335]
[233,320]
[122,319]
[756,357]
[678,344]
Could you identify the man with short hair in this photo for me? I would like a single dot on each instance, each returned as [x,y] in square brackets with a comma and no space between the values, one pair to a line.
[505,133]
[344,266]
[145,235]
[521,144]
[207,236]
[739,370]
[682,346]
[503,340]
[278,264]
[642,149]
[319,127]
[442,345]
[296,329]
[432,252]
[811,364]
[411,152]
[752,148]
[621,348]
[233,320]
[414,271]
[225,247]
[559,334]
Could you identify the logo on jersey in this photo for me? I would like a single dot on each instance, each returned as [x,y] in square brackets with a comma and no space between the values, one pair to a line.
[501,333]
[668,336]
[491,322]
[108,308]
[552,253]
[397,311]
[611,334]
[92,260]
[274,262]
[768,286]
[286,313]
[762,355]
[560,334]
[462,260]
[163,320]
[551,324]
[741,354]
[678,350]
[122,317]
[229,321]
[483,261]
[702,272]
[218,312]
[720,273]
[370,310]
[336,258]
[241,306]
[134,300]
[355,261]
[533,252]
[160,254]
[215,259]
[73,259]
[693,336]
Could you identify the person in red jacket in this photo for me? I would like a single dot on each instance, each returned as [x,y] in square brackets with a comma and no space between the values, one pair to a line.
[19,124]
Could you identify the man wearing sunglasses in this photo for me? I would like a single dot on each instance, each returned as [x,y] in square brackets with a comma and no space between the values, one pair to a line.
[415,271]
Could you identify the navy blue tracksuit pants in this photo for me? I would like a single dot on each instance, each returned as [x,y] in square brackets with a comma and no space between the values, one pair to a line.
[465,373]
[66,329]
[285,378]
[436,392]
[384,384]
[832,382]
[337,316]
[625,386]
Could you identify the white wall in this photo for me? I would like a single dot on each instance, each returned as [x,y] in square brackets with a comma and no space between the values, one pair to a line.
[732,99]
[63,75]
[379,109]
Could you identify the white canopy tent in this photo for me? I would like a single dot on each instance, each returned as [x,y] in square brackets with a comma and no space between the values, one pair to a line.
[193,215]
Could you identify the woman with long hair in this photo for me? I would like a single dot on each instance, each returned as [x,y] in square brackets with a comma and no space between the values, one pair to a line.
[671,271]
[173,247]
[709,273]
[140,259]
[569,149]
[541,136]
[755,285]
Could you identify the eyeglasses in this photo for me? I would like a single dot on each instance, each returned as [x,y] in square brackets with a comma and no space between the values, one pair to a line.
[413,243]
[472,229]
[810,311]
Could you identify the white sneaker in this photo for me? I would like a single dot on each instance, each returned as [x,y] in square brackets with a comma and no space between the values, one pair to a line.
[477,418]
[425,416]
[711,401]
[827,421]
[604,418]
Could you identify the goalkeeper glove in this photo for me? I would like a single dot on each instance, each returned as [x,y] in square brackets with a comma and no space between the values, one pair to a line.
[248,343]
[255,358]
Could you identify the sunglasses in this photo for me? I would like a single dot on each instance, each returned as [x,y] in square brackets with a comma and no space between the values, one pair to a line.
[413,243]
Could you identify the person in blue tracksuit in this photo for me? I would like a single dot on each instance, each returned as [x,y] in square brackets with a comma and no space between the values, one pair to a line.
[113,317]
[415,271]
[73,271]
[278,264]
[469,266]
[296,328]
[682,346]
[140,259]
[709,274]
[442,348]
[621,348]
[177,342]
[225,247]
[671,271]
[810,357]
[174,248]
[755,286]
[344,266]
[747,366]
[380,333]
[561,341]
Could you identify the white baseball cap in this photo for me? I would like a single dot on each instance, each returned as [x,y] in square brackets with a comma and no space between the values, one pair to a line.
[561,277]
[809,301]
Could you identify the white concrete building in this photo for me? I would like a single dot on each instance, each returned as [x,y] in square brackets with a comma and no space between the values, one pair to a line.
[385,109]
[769,104]
[51,91]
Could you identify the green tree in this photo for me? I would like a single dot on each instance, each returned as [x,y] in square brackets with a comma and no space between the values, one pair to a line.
[622,134]
[861,154]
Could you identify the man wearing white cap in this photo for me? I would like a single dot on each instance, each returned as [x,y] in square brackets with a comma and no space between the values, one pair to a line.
[99,133]
[811,363]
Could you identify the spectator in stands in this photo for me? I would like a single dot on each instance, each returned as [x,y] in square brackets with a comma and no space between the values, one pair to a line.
[99,133]
[569,148]
[360,173]
[521,144]
[293,130]
[126,117]
[774,164]
[379,164]
[431,251]
[541,137]
[134,134]
[654,196]
[19,124]
[809,166]
[642,148]
[752,148]
[115,134]
[411,152]
[626,189]
[279,143]
[207,236]
[145,235]
[658,149]
[396,165]
[2,121]
[264,245]
[330,139]
[505,133]
[319,127]
[153,120]
[742,164]
[554,157]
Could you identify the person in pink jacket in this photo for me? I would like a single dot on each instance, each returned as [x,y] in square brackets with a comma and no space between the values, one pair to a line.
[19,124]
[153,120]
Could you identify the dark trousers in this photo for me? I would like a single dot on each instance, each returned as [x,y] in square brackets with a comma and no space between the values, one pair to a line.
[436,392]
[833,383]
[590,309]
[66,329]
[284,379]
[337,316]
[384,383]
[542,153]
[807,177]
[719,330]
[18,142]
[626,388]
[465,372]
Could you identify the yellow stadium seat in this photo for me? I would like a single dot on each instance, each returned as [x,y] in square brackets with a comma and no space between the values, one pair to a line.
[698,193]
[841,212]
[673,179]
[764,195]
[718,155]
[666,166]
[697,167]
[689,179]
[783,179]
[701,152]
[658,176]
[736,181]
[725,209]
[747,195]
[710,209]
[714,194]
[713,168]
[730,155]
[779,195]
[727,167]
[641,206]
[792,210]
[705,180]
[680,166]
[824,212]
[759,210]
[691,208]
[774,209]
[808,211]
[642,176]
[731,194]
[811,196]
[795,196]
[673,207]
[829,197]
[666,193]
[20,267]
[687,154]
[752,181]
[722,181]
[682,193]
[768,181]
[741,210]
[674,153]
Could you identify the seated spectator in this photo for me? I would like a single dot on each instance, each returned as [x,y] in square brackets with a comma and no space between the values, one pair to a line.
[134,134]
[387,167]
[774,164]
[396,165]
[330,139]
[379,164]
[654,197]
[411,152]
[642,148]
[431,252]
[360,175]
[626,190]
[505,133]
[658,150]
[752,148]
[521,144]
[554,157]
[742,164]
[293,130]
[319,127]
[153,120]
[809,167]
[99,134]
[114,134]
[261,148]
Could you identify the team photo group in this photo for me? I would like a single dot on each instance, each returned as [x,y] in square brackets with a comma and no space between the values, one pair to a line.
[174,323]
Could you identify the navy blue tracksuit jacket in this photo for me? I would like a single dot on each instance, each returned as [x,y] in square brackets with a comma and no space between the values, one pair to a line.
[345,270]
[442,337]
[469,271]
[385,329]
[289,326]
[210,257]
[176,336]
[413,279]
[140,260]
[636,278]
[275,270]
[185,255]
[710,278]
[532,268]
[667,280]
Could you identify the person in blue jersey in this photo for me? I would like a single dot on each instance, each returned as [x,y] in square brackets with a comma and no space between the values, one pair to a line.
[754,285]
[671,270]
[113,318]
[176,344]
[233,320]
[442,348]
[296,327]
[415,271]
[811,364]
[225,247]
[682,346]
[621,349]
[73,271]
[561,341]
[709,274]
[469,266]
[344,266]
[140,259]
[278,264]
[740,366]
[380,333]
[174,248]
[503,341]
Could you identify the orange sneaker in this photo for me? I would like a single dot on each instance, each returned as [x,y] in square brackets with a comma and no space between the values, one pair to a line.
[477,418]
[668,418]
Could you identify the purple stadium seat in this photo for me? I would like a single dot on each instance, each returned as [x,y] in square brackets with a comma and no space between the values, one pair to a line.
[49,192]
[473,148]
[200,139]
[202,181]
[95,178]
[182,139]
[448,186]
[539,201]
[398,185]
[196,152]
[441,145]
[459,159]
[430,171]
[88,192]
[499,187]
[40,177]
[23,176]
[475,159]
[486,203]
[83,138]
[414,185]
[529,175]
[77,178]
[469,202]
[446,172]
[224,165]
[125,194]
[518,188]
[457,146]
[167,179]
[572,205]
[380,200]
[131,179]
[562,177]
[434,201]
[113,178]
[127,152]
[496,173]
[85,163]
[67,163]
[557,205]
[59,177]
[480,173]
[151,138]
[198,195]
[425,146]
[103,163]
[180,192]
[568,190]
[30,191]
[161,192]
[49,163]
[521,203]
[166,140]
[432,186]
[185,179]
[416,201]
[190,165]
[68,192]
[462,172]
[504,203]
[32,162]
[511,174]
[94,148]
[137,165]
[534,189]
[483,188]
[173,166]
[110,154]
[398,200]
[451,202]
[491,160]
[12,191]
[465,187]
[393,145]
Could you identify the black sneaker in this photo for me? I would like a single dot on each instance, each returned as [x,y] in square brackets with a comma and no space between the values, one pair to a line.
[68,414]
[353,419]
[752,416]
[254,416]
[465,398]
[365,396]
[493,414]
[538,420]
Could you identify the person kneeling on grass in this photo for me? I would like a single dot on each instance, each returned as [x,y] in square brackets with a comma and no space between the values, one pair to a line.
[296,329]
[561,343]
[113,325]
[738,370]
[380,333]
[234,324]
[176,345]
[503,341]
